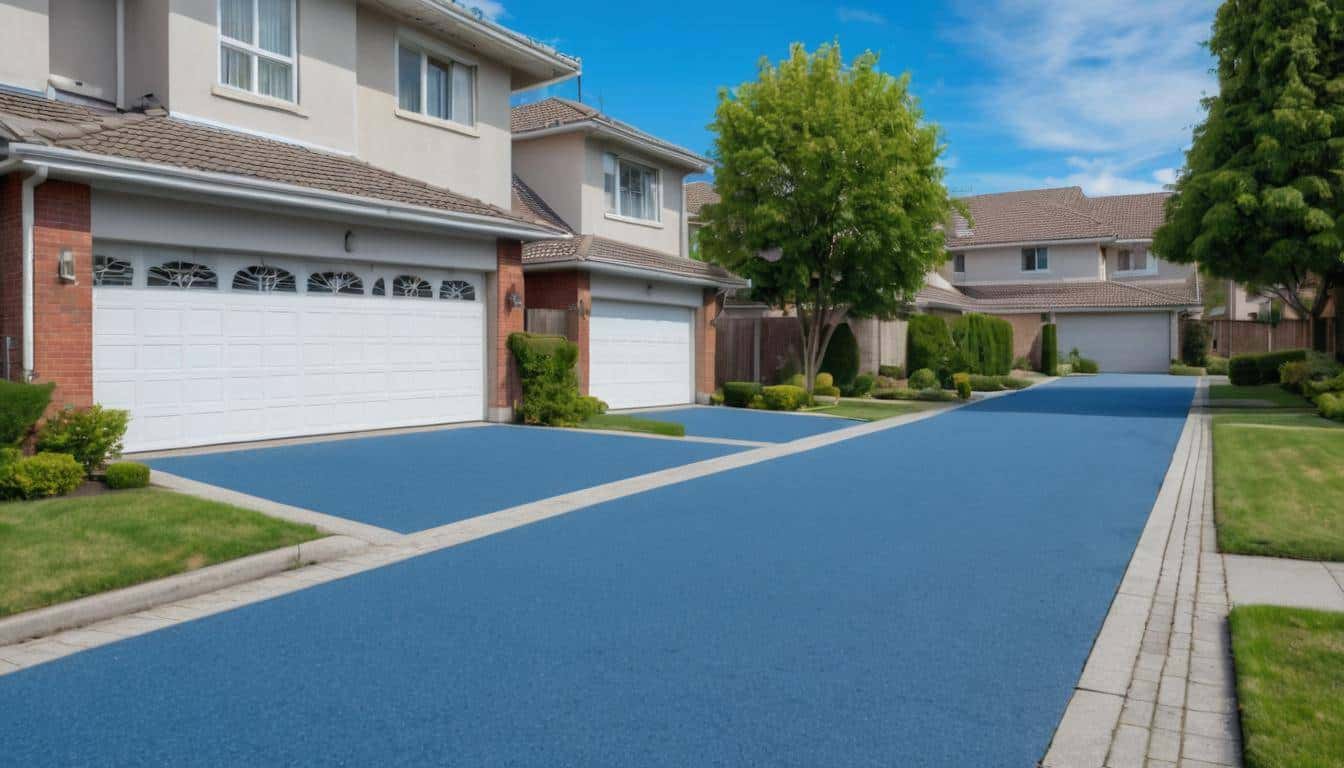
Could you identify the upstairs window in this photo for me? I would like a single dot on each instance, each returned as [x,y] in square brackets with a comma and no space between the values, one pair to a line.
[631,190]
[1131,261]
[256,47]
[959,263]
[1035,260]
[435,86]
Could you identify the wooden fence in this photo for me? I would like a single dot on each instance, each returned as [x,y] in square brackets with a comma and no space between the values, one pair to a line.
[754,348]
[1249,337]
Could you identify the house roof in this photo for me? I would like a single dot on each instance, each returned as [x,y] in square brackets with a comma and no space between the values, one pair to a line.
[1090,294]
[528,203]
[156,138]
[1046,215]
[698,195]
[555,113]
[602,250]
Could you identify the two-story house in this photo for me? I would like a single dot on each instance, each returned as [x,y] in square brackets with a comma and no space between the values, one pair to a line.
[1083,263]
[245,219]
[641,311]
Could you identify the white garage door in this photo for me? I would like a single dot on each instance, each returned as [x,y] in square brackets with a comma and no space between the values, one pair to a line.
[208,350]
[640,354]
[1137,342]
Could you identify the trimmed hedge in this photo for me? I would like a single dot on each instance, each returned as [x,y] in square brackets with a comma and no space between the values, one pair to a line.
[1050,349]
[962,383]
[21,405]
[923,379]
[824,380]
[127,474]
[39,476]
[738,394]
[928,343]
[1243,371]
[997,383]
[550,384]
[1249,370]
[985,343]
[842,356]
[783,397]
[1085,365]
[901,393]
[891,371]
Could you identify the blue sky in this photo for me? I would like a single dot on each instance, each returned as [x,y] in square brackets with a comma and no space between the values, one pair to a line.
[1029,93]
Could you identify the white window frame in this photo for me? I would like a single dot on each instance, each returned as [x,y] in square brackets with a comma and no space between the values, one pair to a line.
[427,50]
[1149,264]
[959,256]
[1036,268]
[256,52]
[614,210]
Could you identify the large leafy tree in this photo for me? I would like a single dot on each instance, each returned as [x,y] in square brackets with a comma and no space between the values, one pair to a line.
[1261,199]
[831,191]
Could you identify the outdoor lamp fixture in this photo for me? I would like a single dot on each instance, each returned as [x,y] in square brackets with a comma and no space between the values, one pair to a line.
[349,241]
[514,299]
[67,265]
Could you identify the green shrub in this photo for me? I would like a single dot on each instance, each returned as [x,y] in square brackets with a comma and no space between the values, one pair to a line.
[981,383]
[591,406]
[1085,365]
[1269,363]
[1216,366]
[863,384]
[1012,382]
[1050,350]
[1021,363]
[984,344]
[1063,369]
[738,394]
[903,393]
[716,397]
[923,379]
[35,477]
[1313,388]
[928,343]
[783,397]
[92,435]
[1331,405]
[824,380]
[842,356]
[796,380]
[550,385]
[21,405]
[8,455]
[127,474]
[1195,345]
[891,371]
[826,391]
[1180,369]
[885,382]
[1292,376]
[1243,371]
[962,383]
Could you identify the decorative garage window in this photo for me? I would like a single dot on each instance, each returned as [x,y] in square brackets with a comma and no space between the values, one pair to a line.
[457,289]
[379,287]
[265,279]
[112,271]
[347,283]
[413,286]
[181,274]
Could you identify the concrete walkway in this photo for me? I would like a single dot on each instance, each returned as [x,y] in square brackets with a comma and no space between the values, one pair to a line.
[1279,581]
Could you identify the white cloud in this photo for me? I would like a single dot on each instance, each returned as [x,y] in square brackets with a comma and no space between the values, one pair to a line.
[492,10]
[1165,176]
[859,15]
[1098,176]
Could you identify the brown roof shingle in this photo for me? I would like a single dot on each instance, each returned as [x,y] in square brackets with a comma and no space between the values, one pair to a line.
[554,112]
[591,248]
[527,202]
[698,195]
[1045,215]
[1100,294]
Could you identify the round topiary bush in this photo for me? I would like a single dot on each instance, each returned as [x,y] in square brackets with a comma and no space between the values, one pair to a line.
[923,379]
[127,474]
[824,381]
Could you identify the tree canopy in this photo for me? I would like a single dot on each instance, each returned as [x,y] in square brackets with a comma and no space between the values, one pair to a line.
[830,189]
[1261,199]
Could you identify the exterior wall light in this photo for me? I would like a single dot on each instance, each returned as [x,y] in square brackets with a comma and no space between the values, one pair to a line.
[515,301]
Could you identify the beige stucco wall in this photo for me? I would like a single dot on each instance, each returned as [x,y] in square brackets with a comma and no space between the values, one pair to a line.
[147,50]
[664,235]
[84,43]
[1004,265]
[1160,269]
[476,165]
[24,44]
[552,166]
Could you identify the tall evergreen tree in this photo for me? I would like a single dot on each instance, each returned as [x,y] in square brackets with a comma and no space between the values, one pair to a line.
[1261,199]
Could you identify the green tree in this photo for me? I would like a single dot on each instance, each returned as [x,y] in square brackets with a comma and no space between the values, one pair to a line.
[831,191]
[1261,199]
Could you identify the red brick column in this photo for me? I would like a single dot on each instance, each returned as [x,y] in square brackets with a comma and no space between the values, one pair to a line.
[566,290]
[62,312]
[508,319]
[705,338]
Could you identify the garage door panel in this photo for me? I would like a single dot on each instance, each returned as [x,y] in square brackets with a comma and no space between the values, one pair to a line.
[640,354]
[1121,342]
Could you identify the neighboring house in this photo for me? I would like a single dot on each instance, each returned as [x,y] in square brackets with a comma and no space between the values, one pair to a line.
[698,194]
[243,219]
[1084,263]
[641,311]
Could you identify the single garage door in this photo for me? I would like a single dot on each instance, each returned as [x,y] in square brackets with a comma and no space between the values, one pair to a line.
[1138,342]
[639,355]
[206,350]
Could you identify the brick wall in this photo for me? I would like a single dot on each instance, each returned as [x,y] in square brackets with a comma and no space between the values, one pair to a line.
[705,339]
[566,290]
[62,312]
[1026,336]
[508,319]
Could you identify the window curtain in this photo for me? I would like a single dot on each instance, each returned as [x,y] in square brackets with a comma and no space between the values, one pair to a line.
[408,79]
[276,26]
[609,181]
[437,94]
[463,103]
[235,19]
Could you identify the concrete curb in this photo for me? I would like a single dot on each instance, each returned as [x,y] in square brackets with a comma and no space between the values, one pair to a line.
[95,608]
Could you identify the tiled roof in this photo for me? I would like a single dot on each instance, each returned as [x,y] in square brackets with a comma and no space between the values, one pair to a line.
[154,137]
[555,112]
[1099,294]
[1044,215]
[591,248]
[526,202]
[698,195]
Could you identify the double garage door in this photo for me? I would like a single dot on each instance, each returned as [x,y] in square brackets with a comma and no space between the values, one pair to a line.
[640,355]
[1121,342]
[208,350]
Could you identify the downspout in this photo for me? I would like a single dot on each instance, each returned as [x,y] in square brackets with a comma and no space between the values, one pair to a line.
[29,184]
[121,54]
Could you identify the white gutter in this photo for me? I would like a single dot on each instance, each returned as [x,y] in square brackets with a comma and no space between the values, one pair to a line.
[103,167]
[121,54]
[504,36]
[953,247]
[642,273]
[666,152]
[31,183]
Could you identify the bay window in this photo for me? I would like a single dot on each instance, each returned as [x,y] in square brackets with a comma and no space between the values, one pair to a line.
[631,190]
[257,47]
[435,86]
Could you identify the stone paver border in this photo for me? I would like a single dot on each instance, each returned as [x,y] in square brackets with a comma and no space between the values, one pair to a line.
[1158,689]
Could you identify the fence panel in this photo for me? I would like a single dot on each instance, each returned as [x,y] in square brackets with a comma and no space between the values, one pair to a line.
[1250,337]
[549,321]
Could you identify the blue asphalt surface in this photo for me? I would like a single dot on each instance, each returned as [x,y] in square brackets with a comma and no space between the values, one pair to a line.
[744,424]
[415,481]
[922,596]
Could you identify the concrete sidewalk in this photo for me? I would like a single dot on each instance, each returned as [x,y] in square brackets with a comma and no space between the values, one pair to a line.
[1280,581]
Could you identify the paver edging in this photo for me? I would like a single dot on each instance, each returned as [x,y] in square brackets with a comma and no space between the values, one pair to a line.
[94,608]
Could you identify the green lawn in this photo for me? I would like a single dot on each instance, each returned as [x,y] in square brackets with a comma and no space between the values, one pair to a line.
[868,410]
[1290,685]
[1279,485]
[1272,393]
[61,549]
[620,422]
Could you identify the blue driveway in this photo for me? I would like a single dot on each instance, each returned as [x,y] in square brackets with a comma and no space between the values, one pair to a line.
[744,424]
[415,481]
[922,596]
